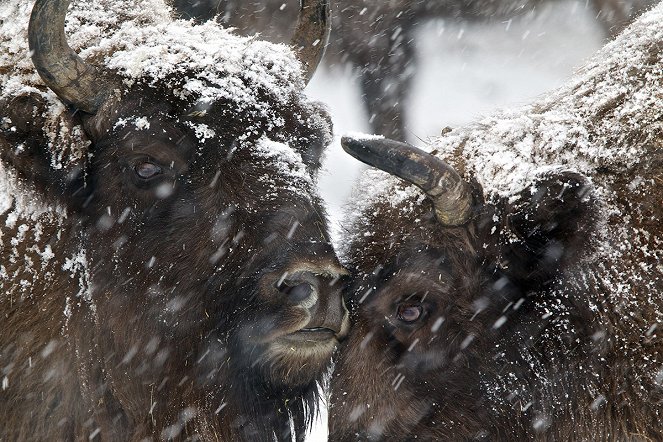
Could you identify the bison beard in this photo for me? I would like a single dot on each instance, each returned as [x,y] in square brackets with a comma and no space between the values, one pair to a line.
[187,286]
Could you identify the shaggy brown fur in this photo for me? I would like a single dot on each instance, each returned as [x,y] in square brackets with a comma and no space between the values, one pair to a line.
[540,319]
[158,306]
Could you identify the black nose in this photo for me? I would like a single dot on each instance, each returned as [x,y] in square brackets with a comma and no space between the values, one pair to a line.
[320,294]
[297,291]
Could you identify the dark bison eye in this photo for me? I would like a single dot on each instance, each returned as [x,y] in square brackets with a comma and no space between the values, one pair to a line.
[409,313]
[147,170]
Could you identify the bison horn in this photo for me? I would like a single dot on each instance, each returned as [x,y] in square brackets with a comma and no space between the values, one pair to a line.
[451,196]
[63,71]
[312,34]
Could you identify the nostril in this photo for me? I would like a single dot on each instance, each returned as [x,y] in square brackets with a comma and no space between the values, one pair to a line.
[297,292]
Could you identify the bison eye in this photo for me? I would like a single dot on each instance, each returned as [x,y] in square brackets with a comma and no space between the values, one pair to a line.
[409,313]
[147,170]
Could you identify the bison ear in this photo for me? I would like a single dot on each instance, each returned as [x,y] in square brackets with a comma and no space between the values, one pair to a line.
[553,220]
[314,136]
[24,146]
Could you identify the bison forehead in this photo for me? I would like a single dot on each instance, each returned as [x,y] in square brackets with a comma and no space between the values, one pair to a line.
[201,62]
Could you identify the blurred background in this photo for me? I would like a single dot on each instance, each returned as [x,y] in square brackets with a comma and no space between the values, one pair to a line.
[465,70]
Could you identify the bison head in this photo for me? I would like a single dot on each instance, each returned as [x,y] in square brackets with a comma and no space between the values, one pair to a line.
[212,284]
[438,282]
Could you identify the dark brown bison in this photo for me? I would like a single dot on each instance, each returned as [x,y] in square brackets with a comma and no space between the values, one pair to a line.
[378,37]
[520,297]
[165,266]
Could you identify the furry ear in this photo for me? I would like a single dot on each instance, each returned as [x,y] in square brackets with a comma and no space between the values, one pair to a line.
[553,220]
[313,136]
[27,149]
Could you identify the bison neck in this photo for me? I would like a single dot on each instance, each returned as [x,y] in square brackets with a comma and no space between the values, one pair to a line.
[40,398]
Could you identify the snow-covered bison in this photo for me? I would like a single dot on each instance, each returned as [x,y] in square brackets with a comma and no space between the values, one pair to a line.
[165,267]
[517,295]
[378,37]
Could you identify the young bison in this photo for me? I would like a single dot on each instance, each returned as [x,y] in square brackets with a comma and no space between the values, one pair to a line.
[523,301]
[165,268]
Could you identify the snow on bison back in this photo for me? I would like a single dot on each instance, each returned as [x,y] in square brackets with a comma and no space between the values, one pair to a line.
[517,295]
[165,267]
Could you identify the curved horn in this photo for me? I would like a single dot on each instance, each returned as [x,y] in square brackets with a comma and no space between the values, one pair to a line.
[64,72]
[451,196]
[312,34]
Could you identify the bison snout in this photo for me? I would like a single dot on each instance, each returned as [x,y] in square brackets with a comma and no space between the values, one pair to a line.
[306,321]
[319,292]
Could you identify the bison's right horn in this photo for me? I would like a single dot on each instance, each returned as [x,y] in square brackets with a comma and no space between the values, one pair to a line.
[451,196]
[312,34]
[63,71]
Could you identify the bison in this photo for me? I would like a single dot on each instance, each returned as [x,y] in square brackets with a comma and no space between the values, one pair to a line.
[517,294]
[378,37]
[165,270]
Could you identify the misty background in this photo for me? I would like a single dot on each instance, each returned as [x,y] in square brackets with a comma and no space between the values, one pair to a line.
[465,71]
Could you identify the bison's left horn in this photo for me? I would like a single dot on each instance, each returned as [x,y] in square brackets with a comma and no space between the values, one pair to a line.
[312,34]
[450,194]
[64,72]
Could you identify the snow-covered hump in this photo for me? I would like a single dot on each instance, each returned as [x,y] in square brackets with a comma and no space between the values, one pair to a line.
[589,123]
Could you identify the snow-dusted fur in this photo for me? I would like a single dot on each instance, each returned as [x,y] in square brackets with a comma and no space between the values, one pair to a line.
[541,318]
[144,249]
[378,37]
